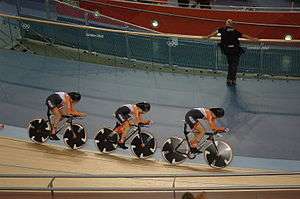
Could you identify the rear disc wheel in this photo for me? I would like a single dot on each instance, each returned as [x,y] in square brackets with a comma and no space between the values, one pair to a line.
[106,140]
[175,150]
[39,130]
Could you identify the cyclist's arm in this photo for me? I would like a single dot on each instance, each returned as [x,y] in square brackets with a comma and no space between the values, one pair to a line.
[70,108]
[138,117]
[212,122]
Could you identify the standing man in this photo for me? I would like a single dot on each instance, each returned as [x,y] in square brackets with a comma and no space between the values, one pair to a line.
[295,3]
[230,46]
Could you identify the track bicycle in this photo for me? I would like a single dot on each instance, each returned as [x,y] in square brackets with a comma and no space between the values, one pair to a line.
[74,134]
[142,144]
[217,153]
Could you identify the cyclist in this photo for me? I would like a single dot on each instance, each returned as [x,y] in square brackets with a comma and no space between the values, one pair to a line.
[193,117]
[60,104]
[128,115]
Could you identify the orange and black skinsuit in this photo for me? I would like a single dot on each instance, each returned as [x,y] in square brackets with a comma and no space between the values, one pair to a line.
[59,104]
[192,118]
[128,115]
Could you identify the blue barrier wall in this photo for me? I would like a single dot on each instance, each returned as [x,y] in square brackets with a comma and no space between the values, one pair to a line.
[259,58]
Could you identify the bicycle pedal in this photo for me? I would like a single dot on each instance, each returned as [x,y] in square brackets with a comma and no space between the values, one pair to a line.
[191,155]
[54,137]
[123,146]
[195,150]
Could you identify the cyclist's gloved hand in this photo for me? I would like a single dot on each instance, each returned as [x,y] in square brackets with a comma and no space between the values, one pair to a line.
[141,124]
[220,130]
[223,130]
[79,114]
[83,114]
[148,122]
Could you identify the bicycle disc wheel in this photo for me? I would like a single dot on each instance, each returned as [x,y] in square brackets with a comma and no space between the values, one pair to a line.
[77,141]
[219,157]
[39,130]
[107,140]
[175,150]
[143,146]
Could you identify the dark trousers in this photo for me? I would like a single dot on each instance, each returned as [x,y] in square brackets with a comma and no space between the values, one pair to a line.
[233,63]
[183,3]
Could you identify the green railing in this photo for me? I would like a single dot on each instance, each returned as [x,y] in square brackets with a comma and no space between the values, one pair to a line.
[263,58]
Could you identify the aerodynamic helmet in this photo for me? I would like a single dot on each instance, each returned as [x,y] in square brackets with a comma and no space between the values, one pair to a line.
[75,96]
[144,106]
[219,112]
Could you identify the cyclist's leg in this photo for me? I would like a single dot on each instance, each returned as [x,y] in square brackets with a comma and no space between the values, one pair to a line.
[123,126]
[122,129]
[192,119]
[54,102]
[121,118]
[198,131]
[125,129]
[56,119]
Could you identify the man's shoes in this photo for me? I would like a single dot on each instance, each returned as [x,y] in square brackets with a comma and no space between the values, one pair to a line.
[54,137]
[195,150]
[122,145]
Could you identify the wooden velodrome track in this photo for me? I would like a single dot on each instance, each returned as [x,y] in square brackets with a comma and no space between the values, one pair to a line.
[23,157]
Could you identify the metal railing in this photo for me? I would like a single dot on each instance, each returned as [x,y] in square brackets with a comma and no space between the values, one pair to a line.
[172,177]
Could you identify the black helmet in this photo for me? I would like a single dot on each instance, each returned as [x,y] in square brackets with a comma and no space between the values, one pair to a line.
[75,96]
[219,112]
[144,106]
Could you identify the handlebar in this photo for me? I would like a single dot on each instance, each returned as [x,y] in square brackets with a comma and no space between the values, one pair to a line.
[140,125]
[213,133]
[72,116]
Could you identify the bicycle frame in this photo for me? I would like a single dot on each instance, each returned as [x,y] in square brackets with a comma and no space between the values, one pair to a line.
[202,141]
[133,132]
[69,121]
